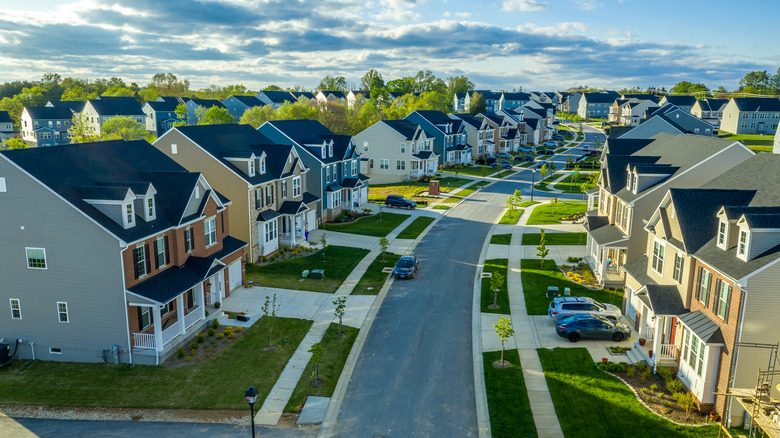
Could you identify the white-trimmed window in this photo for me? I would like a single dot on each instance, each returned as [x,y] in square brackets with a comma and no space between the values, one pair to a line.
[150,208]
[742,243]
[723,300]
[403,147]
[658,257]
[705,279]
[284,189]
[271,231]
[323,152]
[174,148]
[384,164]
[188,244]
[36,258]
[129,215]
[330,150]
[144,317]
[722,234]
[262,166]
[167,308]
[251,164]
[354,168]
[296,186]
[210,231]
[365,146]
[678,268]
[16,308]
[327,174]
[370,163]
[159,252]
[55,350]
[400,165]
[62,312]
[335,200]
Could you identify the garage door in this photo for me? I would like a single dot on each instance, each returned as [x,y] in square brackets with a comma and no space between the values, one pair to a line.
[234,272]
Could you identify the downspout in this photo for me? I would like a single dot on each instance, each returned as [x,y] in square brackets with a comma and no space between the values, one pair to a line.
[124,304]
[739,339]
[32,347]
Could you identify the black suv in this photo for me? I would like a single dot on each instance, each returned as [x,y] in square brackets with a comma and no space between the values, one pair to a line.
[400,202]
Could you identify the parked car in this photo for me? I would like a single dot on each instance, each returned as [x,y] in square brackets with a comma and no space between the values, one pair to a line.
[502,155]
[550,144]
[524,158]
[528,149]
[505,164]
[561,307]
[406,267]
[400,202]
[586,148]
[491,160]
[557,137]
[480,161]
[576,327]
[546,152]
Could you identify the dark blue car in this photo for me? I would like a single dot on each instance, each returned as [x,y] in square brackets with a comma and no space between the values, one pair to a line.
[406,267]
[593,327]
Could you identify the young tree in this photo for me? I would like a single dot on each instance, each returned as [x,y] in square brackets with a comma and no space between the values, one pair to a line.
[15,143]
[542,248]
[477,104]
[544,171]
[216,115]
[316,355]
[383,245]
[124,128]
[496,283]
[341,304]
[552,167]
[504,331]
[270,308]
[324,243]
[514,199]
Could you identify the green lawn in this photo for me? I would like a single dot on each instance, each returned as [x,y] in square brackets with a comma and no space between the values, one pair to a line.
[567,186]
[552,214]
[441,207]
[593,404]
[416,227]
[499,266]
[338,262]
[473,171]
[218,382]
[374,278]
[507,397]
[501,239]
[378,192]
[526,164]
[370,225]
[451,200]
[471,189]
[504,174]
[511,217]
[335,351]
[555,238]
[525,204]
[536,280]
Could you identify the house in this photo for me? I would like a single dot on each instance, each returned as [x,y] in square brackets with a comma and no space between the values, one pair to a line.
[671,120]
[333,162]
[45,125]
[449,135]
[560,99]
[572,103]
[237,105]
[6,126]
[471,126]
[635,111]
[489,134]
[160,116]
[275,98]
[395,151]
[710,110]
[357,97]
[751,115]
[614,111]
[333,96]
[97,111]
[459,102]
[712,253]
[194,106]
[635,175]
[596,105]
[510,101]
[685,103]
[491,100]
[298,94]
[137,247]
[271,207]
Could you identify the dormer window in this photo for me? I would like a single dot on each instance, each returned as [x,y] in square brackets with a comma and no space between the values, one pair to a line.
[742,250]
[628,180]
[129,216]
[251,168]
[636,183]
[262,166]
[323,152]
[722,229]
[150,208]
[330,150]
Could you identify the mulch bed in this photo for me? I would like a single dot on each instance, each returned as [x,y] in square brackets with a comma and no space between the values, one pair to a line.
[211,344]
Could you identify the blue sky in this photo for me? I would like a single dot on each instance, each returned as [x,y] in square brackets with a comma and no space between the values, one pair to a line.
[499,44]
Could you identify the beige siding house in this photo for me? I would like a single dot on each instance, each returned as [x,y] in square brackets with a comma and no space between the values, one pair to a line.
[396,150]
[751,115]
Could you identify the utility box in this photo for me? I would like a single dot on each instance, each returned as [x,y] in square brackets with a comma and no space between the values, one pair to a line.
[433,187]
[305,273]
[115,353]
[317,274]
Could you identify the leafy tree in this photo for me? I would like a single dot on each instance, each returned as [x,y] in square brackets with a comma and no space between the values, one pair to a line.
[341,304]
[542,250]
[32,96]
[302,109]
[334,117]
[477,104]
[371,81]
[504,331]
[757,80]
[236,90]
[514,199]
[459,84]
[425,81]
[270,308]
[77,93]
[181,115]
[200,113]
[14,108]
[273,88]
[496,283]
[686,87]
[124,128]
[591,183]
[316,355]
[383,245]
[403,85]
[216,115]
[552,167]
[119,91]
[15,143]
[257,115]
[167,84]
[332,83]
[544,170]
[81,131]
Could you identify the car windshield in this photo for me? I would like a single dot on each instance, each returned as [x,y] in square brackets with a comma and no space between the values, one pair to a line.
[405,263]
[600,306]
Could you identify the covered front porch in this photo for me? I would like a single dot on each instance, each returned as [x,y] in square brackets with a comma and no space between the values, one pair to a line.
[296,219]
[462,154]
[605,250]
[423,164]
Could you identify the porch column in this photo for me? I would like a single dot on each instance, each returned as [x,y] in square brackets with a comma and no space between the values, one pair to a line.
[603,263]
[158,340]
[660,322]
[180,313]
[200,300]
[292,230]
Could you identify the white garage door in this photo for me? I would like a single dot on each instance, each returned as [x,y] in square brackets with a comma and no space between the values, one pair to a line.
[234,272]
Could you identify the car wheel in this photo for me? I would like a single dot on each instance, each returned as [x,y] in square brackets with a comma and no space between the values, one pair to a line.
[409,207]
[617,337]
[574,337]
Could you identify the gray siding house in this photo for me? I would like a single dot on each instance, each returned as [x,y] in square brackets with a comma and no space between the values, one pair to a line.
[751,115]
[160,116]
[45,126]
[237,105]
[671,120]
[449,136]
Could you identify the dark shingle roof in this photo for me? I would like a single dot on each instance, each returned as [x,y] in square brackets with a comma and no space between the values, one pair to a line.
[249,101]
[516,96]
[165,106]
[682,100]
[336,93]
[757,103]
[468,118]
[662,299]
[403,127]
[74,105]
[705,328]
[116,106]
[49,112]
[4,117]
[299,94]
[312,132]
[609,234]
[599,97]
[713,104]
[278,96]
[267,214]
[207,103]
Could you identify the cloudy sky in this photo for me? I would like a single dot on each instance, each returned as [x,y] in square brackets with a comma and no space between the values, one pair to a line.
[499,44]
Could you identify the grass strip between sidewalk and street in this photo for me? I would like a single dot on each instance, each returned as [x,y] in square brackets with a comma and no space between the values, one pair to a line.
[552,214]
[335,351]
[212,384]
[593,404]
[555,238]
[416,228]
[440,207]
[374,278]
[495,266]
[370,225]
[511,217]
[504,174]
[501,239]
[507,397]
[338,263]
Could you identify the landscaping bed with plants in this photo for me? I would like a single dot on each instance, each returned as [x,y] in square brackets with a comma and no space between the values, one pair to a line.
[536,279]
[211,340]
[412,189]
[498,267]
[378,225]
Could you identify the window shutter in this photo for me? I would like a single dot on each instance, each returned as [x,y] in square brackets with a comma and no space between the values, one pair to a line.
[135,263]
[148,261]
[156,257]
[167,253]
[728,306]
[192,239]
[222,221]
[716,301]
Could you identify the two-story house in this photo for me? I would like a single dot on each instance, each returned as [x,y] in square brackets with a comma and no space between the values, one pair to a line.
[459,102]
[357,97]
[135,246]
[471,126]
[237,105]
[193,105]
[710,110]
[635,176]
[671,120]
[331,96]
[685,103]
[509,101]
[714,252]
[449,136]
[333,162]
[97,111]
[751,115]
[596,105]
[396,150]
[271,208]
[160,115]
[6,126]
[45,125]
[572,103]
[275,98]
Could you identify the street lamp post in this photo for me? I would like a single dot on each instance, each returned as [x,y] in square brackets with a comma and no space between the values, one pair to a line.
[533,180]
[251,396]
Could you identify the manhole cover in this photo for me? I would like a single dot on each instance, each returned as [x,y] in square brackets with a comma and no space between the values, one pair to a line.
[487,274]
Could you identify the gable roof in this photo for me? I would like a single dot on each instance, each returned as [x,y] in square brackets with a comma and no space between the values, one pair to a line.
[166,105]
[336,93]
[48,112]
[207,103]
[516,96]
[4,117]
[600,97]
[299,94]
[682,100]
[249,101]
[662,299]
[309,134]
[75,105]
[116,106]
[757,103]
[404,127]
[713,104]
[278,96]
[468,119]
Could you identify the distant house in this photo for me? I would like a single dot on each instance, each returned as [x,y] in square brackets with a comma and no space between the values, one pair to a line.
[237,105]
[710,110]
[335,96]
[298,94]
[685,103]
[160,116]
[541,96]
[275,98]
[572,103]
[751,115]
[671,120]
[471,125]
[97,111]
[459,102]
[596,105]
[560,98]
[45,125]
[449,135]
[635,111]
[6,126]
[510,101]
[76,106]
[396,150]
[357,97]
[193,104]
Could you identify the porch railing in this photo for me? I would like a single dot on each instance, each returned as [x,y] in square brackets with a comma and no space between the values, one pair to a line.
[649,331]
[613,273]
[170,333]
[144,340]
[669,351]
[191,318]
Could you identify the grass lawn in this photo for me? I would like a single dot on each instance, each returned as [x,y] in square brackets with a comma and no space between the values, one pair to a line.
[451,200]
[526,164]
[334,354]
[536,280]
[416,228]
[593,404]
[525,204]
[511,216]
[555,238]
[211,384]
[378,192]
[441,207]
[473,171]
[759,148]
[339,262]
[374,277]
[549,214]
[499,266]
[370,225]
[567,186]
[507,397]
[501,239]
[504,174]
[471,189]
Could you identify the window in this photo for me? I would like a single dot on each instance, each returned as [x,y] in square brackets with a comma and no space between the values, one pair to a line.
[400,165]
[139,261]
[271,231]
[678,268]
[168,308]
[36,258]
[693,351]
[330,150]
[658,257]
[705,278]
[403,147]
[323,152]
[723,301]
[354,168]
[262,166]
[296,186]
[259,198]
[335,200]
[284,189]
[62,312]
[370,163]
[160,252]
[251,167]
[150,208]
[327,174]
[144,317]
[210,231]
[365,146]
[174,149]
[188,243]
[384,164]
[742,242]
[269,195]
[129,214]
[55,350]
[700,367]
[59,124]
[16,309]
[722,234]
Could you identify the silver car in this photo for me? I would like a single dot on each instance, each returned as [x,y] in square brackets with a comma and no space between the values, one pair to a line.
[562,307]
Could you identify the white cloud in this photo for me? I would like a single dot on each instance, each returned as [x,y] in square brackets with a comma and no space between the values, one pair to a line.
[589,4]
[463,14]
[523,5]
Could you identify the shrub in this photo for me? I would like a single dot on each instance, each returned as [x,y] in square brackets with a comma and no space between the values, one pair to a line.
[641,366]
[667,403]
[674,386]
[231,335]
[193,351]
[574,259]
[645,374]
[211,331]
[194,346]
[187,359]
[229,328]
[201,339]
[665,373]
[643,390]
[239,329]
[215,324]
[220,335]
[654,387]
[180,353]
[661,395]
[649,399]
[217,304]
[630,370]
[686,401]
[206,312]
